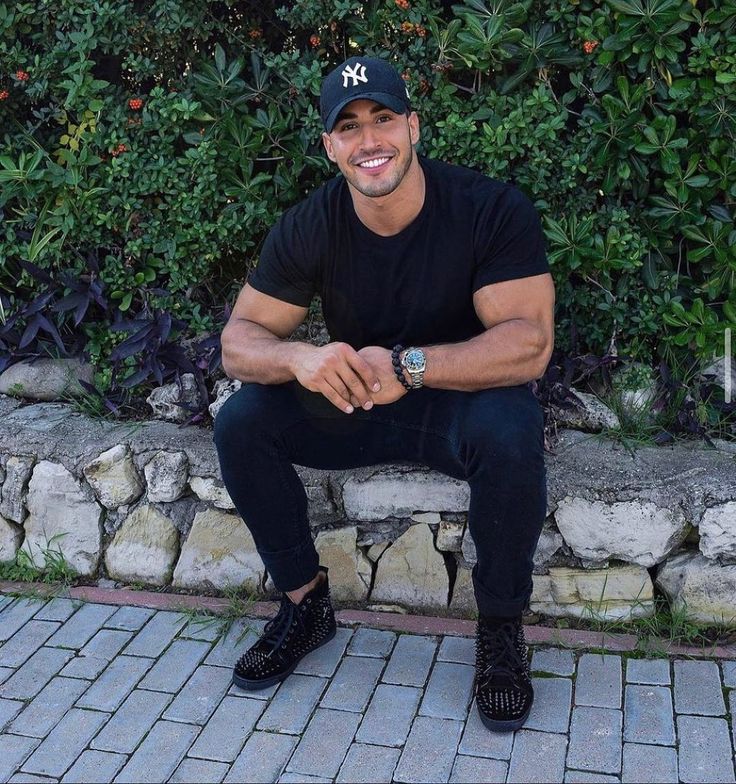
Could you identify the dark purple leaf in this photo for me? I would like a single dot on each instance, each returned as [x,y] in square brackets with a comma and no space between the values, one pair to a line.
[36,272]
[30,332]
[128,348]
[136,378]
[50,329]
[39,303]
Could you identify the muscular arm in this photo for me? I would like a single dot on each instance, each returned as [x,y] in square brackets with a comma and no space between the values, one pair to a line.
[254,346]
[254,349]
[516,346]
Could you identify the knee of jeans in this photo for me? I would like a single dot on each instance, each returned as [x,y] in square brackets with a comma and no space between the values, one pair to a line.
[511,439]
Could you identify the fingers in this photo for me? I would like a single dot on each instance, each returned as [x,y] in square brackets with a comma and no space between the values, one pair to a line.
[366,374]
[352,380]
[342,376]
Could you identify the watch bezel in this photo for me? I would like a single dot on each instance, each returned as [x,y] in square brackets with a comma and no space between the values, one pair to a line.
[415,360]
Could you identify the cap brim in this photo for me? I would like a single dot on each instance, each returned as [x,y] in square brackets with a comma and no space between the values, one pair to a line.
[388,100]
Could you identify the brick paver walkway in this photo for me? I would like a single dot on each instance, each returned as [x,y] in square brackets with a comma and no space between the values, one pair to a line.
[99,693]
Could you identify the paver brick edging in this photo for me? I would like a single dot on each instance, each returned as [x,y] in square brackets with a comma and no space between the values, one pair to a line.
[410,624]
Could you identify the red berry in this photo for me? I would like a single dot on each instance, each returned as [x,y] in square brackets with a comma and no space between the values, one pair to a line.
[255,33]
[21,75]
[135,104]
[314,40]
[421,31]
[4,94]
[590,46]
[403,4]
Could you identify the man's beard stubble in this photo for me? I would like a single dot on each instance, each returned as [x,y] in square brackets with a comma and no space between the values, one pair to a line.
[385,186]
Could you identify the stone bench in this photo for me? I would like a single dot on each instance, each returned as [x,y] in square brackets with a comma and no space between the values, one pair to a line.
[143,502]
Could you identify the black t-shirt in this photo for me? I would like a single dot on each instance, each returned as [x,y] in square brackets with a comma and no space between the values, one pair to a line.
[415,287]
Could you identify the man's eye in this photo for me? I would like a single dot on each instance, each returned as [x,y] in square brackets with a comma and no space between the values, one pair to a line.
[347,127]
[384,117]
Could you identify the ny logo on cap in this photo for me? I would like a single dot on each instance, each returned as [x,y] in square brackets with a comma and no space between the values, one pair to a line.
[357,74]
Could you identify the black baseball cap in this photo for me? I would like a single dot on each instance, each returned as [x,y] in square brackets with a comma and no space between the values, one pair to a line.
[362,77]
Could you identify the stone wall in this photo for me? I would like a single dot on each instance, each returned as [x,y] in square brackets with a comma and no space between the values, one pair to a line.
[143,502]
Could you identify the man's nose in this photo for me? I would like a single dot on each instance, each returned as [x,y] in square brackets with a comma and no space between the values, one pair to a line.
[368,136]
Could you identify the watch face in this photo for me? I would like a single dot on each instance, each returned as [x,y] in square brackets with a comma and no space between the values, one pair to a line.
[415,360]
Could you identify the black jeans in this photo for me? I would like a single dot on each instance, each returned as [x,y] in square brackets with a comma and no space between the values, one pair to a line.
[492,438]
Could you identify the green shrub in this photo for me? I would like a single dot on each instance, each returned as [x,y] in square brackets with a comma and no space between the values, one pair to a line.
[617,118]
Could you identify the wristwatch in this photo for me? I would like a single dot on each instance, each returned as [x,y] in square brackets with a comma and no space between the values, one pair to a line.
[415,363]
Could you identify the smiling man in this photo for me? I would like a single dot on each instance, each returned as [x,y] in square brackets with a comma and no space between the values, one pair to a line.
[439,303]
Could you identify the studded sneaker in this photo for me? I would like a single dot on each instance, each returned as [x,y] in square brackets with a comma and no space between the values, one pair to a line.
[287,638]
[503,685]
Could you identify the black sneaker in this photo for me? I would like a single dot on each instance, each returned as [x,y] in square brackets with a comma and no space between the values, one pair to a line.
[295,631]
[503,684]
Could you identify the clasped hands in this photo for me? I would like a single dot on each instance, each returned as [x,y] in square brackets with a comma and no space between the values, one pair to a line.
[348,378]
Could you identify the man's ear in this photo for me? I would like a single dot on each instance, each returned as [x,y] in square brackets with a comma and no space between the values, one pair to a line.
[414,127]
[328,146]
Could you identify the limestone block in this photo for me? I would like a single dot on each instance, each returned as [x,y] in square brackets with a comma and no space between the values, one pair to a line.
[705,590]
[11,536]
[463,597]
[412,572]
[208,489]
[350,570]
[640,533]
[166,476]
[169,401]
[375,551]
[321,505]
[590,414]
[467,548]
[450,536]
[715,372]
[218,553]
[144,548]
[604,594]
[224,388]
[393,493]
[549,543]
[718,532]
[64,517]
[431,518]
[46,379]
[17,473]
[114,478]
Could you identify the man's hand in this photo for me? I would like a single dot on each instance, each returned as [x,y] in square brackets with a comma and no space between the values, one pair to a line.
[380,360]
[342,375]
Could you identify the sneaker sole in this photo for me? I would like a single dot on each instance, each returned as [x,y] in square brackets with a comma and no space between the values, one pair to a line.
[257,685]
[496,725]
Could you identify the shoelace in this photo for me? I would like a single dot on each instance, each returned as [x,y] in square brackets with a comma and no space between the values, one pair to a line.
[505,659]
[278,627]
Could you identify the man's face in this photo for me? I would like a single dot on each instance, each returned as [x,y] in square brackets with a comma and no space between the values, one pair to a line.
[372,146]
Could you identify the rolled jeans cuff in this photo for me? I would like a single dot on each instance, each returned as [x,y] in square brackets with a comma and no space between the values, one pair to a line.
[291,569]
[490,605]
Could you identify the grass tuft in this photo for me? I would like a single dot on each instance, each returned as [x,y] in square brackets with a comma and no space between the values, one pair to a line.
[224,620]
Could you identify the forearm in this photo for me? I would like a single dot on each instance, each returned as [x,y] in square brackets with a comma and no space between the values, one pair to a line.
[508,354]
[252,353]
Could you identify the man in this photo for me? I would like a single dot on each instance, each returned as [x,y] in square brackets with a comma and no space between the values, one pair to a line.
[439,303]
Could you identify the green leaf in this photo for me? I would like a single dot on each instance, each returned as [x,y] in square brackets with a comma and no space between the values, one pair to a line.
[220,58]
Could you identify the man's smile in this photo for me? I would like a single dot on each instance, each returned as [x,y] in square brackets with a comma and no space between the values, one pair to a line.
[374,163]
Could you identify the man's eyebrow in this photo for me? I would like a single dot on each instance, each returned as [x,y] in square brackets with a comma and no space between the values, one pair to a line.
[351,116]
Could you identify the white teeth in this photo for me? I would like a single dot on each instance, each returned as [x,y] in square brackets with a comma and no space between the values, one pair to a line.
[373,163]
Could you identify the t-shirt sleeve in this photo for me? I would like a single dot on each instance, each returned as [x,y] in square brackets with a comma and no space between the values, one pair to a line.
[509,241]
[288,264]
